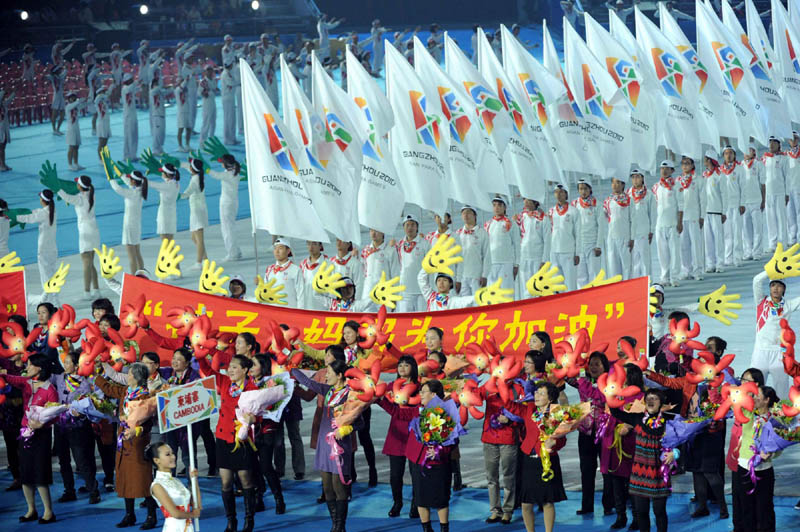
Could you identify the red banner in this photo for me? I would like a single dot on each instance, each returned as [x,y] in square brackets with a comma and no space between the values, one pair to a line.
[12,293]
[607,312]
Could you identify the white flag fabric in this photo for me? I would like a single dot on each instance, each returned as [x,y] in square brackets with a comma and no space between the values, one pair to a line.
[786,40]
[418,143]
[380,195]
[759,40]
[330,187]
[774,119]
[622,68]
[605,109]
[279,202]
[466,140]
[494,123]
[723,53]
[677,87]
[523,163]
[711,110]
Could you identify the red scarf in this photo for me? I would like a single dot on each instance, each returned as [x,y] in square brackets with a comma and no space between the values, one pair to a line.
[591,202]
[749,162]
[307,265]
[562,210]
[277,268]
[622,199]
[369,250]
[504,219]
[725,170]
[794,153]
[709,173]
[667,182]
[408,246]
[686,180]
[341,261]
[638,194]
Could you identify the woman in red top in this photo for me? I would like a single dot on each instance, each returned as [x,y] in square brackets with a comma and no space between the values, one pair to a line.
[35,466]
[229,388]
[535,490]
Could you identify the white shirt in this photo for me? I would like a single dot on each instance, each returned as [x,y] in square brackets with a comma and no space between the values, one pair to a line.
[309,269]
[474,244]
[666,204]
[436,301]
[690,196]
[752,179]
[732,179]
[129,99]
[643,212]
[618,213]
[157,97]
[534,228]
[229,194]
[768,321]
[503,240]
[375,260]
[291,277]
[565,222]
[793,169]
[349,266]
[47,248]
[410,254]
[713,199]
[5,228]
[775,169]
[592,223]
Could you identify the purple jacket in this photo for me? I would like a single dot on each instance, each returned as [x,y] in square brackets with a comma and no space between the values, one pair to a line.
[191,374]
[397,435]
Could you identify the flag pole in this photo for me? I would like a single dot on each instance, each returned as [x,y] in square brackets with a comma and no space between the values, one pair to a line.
[193,466]
[255,250]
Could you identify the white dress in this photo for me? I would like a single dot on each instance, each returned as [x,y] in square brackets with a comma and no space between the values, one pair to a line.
[47,249]
[198,212]
[228,208]
[103,108]
[5,131]
[73,136]
[181,497]
[88,233]
[166,219]
[132,220]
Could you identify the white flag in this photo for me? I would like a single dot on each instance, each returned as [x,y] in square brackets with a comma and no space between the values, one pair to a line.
[622,68]
[711,110]
[786,39]
[330,187]
[759,40]
[604,107]
[466,140]
[418,143]
[279,202]
[677,86]
[380,196]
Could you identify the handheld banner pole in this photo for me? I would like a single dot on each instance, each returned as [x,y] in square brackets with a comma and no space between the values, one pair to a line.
[193,479]
[255,249]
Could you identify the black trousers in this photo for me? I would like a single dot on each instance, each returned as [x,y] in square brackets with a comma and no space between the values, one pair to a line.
[589,455]
[12,445]
[705,482]
[108,453]
[364,438]
[397,469]
[620,490]
[79,443]
[266,449]
[757,508]
[736,502]
[642,509]
[292,428]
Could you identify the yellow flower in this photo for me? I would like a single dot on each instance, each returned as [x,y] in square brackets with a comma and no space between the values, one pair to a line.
[435,421]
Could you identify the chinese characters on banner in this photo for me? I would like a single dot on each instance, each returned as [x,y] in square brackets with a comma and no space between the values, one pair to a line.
[179,406]
[607,312]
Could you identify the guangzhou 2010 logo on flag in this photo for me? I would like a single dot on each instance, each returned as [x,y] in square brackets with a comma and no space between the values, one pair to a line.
[535,96]
[668,71]
[454,113]
[730,65]
[624,75]
[595,105]
[278,145]
[427,126]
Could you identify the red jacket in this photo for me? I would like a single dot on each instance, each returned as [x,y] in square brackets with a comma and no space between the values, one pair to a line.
[531,442]
[45,394]
[506,434]
[732,458]
[227,409]
[415,452]
[397,436]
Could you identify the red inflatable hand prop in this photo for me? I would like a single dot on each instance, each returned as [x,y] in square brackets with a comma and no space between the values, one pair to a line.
[369,384]
[568,359]
[503,371]
[705,369]
[794,397]
[132,317]
[468,399]
[373,329]
[200,336]
[60,325]
[17,342]
[403,393]
[479,359]
[738,398]
[181,318]
[613,386]
[682,336]
[117,352]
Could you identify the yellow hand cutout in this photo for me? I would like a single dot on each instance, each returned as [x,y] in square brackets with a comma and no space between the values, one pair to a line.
[717,305]
[109,262]
[211,279]
[783,264]
[493,294]
[387,292]
[54,284]
[168,260]
[8,264]
[269,293]
[546,281]
[442,255]
[326,281]
[600,280]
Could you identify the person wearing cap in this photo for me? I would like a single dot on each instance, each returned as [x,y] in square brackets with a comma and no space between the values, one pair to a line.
[207,90]
[667,229]
[237,288]
[620,10]
[753,197]
[534,248]
[189,71]
[130,120]
[58,51]
[771,307]
[347,302]
[347,264]
[442,227]
[643,224]
[503,245]
[5,130]
[620,244]
[47,247]
[143,55]
[158,97]
[135,194]
[592,234]
[793,186]
[376,257]
[57,76]
[182,114]
[573,13]
[691,196]
[115,58]
[168,190]
[713,204]
[324,26]
[377,32]
[227,89]
[565,231]
[440,299]
[732,179]
[73,134]
[88,233]
[286,273]
[410,252]
[198,210]
[777,194]
[309,268]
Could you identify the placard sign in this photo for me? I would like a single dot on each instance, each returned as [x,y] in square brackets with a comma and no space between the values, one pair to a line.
[180,406]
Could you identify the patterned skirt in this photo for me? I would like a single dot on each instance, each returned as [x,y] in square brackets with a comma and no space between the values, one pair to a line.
[646,479]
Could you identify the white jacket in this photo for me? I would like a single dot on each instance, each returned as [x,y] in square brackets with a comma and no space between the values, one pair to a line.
[503,240]
[436,301]
[768,320]
[666,204]
[714,189]
[752,179]
[291,277]
[643,212]
[409,256]
[690,196]
[309,269]
[535,228]
[350,266]
[618,213]
[775,170]
[793,170]
[592,223]
[475,250]
[566,226]
[732,179]
[47,248]
[229,187]
[375,260]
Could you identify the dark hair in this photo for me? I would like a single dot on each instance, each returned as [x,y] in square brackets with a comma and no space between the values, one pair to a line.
[532,354]
[438,331]
[250,340]
[658,393]
[184,352]
[73,355]
[152,357]
[337,352]
[3,206]
[756,374]
[144,186]
[151,452]
[243,361]
[103,304]
[540,362]
[771,395]
[634,376]
[265,362]
[630,339]
[552,391]
[44,364]
[440,357]
[90,187]
[721,344]
[411,361]
[112,320]
[51,204]
[339,367]
[603,359]
[352,324]
[678,315]
[51,309]
[435,387]
[229,160]
[21,321]
[176,173]
[547,350]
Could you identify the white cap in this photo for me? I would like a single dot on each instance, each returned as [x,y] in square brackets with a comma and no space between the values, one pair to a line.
[559,186]
[667,164]
[446,276]
[726,148]
[686,156]
[658,288]
[795,134]
[711,154]
[773,137]
[470,208]
[281,242]
[142,273]
[635,171]
[347,281]
[499,198]
[227,37]
[411,218]
[583,181]
[237,278]
[752,146]
[264,36]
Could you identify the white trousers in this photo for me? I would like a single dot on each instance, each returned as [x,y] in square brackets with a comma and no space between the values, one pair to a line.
[715,241]
[753,230]
[732,229]
[131,136]
[227,224]
[793,213]
[618,256]
[526,270]
[566,265]
[669,255]
[770,362]
[157,131]
[504,271]
[48,266]
[239,117]
[411,303]
[207,129]
[589,266]
[470,285]
[192,108]
[692,248]
[228,120]
[641,262]
[775,214]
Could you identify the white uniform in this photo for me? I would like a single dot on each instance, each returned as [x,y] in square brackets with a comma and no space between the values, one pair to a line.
[5,228]
[566,229]
[228,85]
[767,351]
[643,224]
[58,80]
[592,236]
[181,497]
[130,120]
[793,185]
[323,28]
[72,112]
[228,209]
[669,258]
[237,93]
[504,248]
[157,118]
[198,211]
[378,51]
[269,77]
[47,254]
[208,89]
[618,253]
[5,129]
[28,63]
[290,276]
[712,230]
[102,106]
[534,249]
[182,105]
[88,233]
[350,266]
[753,220]
[166,219]
[374,261]
[435,301]
[732,179]
[312,299]
[115,58]
[132,219]
[189,74]
[409,255]
[690,201]
[775,174]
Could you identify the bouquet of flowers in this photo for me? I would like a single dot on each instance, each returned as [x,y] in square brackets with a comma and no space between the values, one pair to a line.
[94,408]
[438,424]
[779,415]
[561,421]
[256,403]
[140,411]
[274,411]
[769,439]
[42,414]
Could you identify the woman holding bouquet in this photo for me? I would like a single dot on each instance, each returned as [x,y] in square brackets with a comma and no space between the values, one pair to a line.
[178,374]
[36,468]
[133,473]
[233,457]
